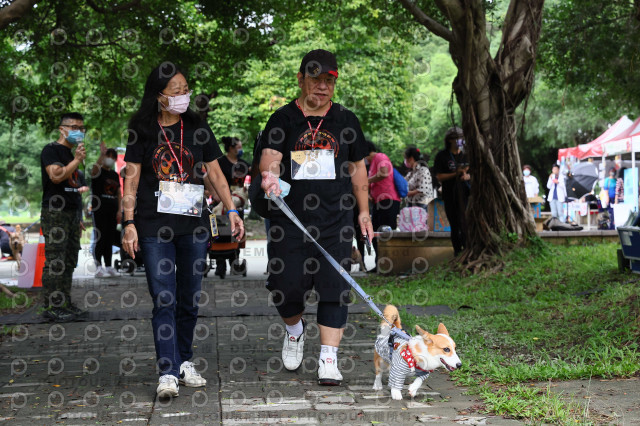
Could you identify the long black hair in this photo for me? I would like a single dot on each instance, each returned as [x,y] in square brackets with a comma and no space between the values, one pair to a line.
[144,122]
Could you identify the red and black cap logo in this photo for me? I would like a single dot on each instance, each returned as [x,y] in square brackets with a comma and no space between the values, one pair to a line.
[318,62]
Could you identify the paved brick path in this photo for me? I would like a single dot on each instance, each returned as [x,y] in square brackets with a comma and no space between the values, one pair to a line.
[102,371]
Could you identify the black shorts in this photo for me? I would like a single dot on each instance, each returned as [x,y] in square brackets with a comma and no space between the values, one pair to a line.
[297,266]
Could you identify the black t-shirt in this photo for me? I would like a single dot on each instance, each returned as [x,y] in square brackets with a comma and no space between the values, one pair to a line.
[327,204]
[63,195]
[104,188]
[157,163]
[447,162]
[235,173]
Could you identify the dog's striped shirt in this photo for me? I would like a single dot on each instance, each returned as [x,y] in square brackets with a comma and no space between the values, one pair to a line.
[399,368]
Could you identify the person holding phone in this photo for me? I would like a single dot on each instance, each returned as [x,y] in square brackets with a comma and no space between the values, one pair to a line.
[61,216]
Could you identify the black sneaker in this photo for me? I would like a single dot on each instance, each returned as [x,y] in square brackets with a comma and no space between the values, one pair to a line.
[75,310]
[58,314]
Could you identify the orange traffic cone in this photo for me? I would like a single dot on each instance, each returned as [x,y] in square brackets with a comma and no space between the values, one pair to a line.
[37,279]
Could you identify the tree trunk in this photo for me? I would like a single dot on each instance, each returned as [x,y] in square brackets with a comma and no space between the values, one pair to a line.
[488,91]
[15,11]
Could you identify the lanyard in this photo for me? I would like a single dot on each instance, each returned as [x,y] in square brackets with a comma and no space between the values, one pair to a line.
[171,148]
[314,132]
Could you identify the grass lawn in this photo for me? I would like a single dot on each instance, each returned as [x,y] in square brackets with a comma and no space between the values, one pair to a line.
[553,313]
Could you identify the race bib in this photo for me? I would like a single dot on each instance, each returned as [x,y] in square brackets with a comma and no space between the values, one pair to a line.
[317,164]
[185,199]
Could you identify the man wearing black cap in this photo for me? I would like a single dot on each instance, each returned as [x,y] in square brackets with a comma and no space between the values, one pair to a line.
[317,148]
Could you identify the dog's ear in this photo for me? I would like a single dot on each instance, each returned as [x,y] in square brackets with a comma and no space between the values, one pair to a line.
[442,329]
[425,335]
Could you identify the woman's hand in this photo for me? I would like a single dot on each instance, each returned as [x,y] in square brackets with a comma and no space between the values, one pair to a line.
[237,226]
[130,240]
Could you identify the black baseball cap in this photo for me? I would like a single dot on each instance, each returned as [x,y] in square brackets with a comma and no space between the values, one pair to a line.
[318,62]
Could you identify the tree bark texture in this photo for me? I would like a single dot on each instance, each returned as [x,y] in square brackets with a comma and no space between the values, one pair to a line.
[15,11]
[488,90]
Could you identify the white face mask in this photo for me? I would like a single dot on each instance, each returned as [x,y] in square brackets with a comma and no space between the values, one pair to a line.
[109,162]
[177,104]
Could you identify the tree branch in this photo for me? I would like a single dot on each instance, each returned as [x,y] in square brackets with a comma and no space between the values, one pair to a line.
[15,11]
[113,9]
[431,24]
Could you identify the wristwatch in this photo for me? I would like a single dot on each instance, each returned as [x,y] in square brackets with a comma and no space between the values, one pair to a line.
[126,223]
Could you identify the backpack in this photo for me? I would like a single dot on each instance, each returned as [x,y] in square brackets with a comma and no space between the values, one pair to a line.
[413,219]
[400,183]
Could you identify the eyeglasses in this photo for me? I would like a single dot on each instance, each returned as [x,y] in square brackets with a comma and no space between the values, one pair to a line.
[329,81]
[188,92]
[81,128]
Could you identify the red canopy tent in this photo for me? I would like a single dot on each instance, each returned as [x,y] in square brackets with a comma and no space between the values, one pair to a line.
[595,148]
[623,142]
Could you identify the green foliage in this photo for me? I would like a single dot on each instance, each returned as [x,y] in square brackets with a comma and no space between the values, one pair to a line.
[592,48]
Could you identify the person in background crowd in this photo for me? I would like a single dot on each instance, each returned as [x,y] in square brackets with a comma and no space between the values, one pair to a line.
[619,197]
[171,147]
[531,185]
[419,179]
[382,188]
[557,193]
[105,208]
[610,185]
[61,216]
[452,171]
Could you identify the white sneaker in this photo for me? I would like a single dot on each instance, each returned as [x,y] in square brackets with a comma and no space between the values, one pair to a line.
[101,272]
[167,386]
[328,373]
[190,377]
[111,271]
[293,348]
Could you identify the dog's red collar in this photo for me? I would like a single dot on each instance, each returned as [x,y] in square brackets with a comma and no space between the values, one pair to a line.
[406,354]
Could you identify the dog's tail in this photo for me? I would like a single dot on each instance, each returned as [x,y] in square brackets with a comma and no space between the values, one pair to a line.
[392,315]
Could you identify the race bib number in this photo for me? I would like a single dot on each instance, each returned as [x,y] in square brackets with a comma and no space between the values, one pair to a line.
[317,164]
[185,199]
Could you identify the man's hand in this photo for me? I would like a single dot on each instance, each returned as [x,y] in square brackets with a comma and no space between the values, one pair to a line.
[237,226]
[119,216]
[270,184]
[83,189]
[103,148]
[366,226]
[80,154]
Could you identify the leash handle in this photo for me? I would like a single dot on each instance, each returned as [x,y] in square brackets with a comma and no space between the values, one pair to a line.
[359,291]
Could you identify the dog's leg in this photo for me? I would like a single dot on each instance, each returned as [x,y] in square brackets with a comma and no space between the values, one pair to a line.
[396,394]
[377,360]
[413,387]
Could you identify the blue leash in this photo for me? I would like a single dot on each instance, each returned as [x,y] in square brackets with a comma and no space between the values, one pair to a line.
[364,296]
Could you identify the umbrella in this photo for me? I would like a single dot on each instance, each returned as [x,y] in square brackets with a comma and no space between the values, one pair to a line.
[582,179]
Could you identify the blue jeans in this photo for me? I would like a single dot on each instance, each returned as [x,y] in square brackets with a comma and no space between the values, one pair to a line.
[557,210]
[174,271]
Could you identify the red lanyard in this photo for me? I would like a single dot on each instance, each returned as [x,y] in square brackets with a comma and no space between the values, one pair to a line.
[182,178]
[314,132]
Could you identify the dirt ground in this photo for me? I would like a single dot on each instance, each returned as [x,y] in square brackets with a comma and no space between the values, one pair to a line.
[609,401]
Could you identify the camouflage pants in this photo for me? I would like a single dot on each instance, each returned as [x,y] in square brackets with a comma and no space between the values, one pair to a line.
[61,230]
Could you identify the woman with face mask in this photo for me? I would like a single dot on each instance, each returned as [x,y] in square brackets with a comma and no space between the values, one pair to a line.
[531,185]
[419,179]
[171,155]
[106,199]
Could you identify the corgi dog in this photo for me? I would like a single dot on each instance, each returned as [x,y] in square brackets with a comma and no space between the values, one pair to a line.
[417,357]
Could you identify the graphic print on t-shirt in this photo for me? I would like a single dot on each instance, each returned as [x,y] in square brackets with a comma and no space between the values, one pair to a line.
[324,140]
[110,188]
[74,180]
[166,166]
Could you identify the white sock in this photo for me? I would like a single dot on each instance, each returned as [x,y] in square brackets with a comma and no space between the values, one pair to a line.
[295,330]
[328,352]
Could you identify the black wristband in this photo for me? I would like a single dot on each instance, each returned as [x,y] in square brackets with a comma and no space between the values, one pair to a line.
[126,223]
